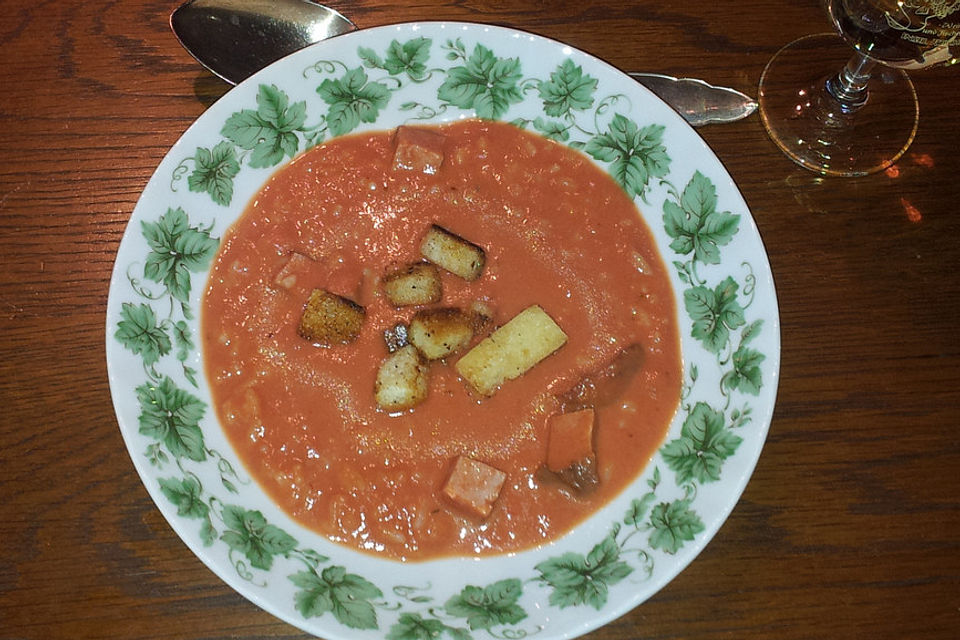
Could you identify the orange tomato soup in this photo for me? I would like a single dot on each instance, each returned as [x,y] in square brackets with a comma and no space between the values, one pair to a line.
[557,231]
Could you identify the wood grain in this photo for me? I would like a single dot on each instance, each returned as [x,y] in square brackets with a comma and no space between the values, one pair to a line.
[849,527]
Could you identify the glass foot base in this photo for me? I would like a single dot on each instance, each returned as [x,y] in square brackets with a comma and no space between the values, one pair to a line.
[808,124]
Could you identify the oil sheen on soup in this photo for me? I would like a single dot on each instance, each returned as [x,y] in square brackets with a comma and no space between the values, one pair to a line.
[436,341]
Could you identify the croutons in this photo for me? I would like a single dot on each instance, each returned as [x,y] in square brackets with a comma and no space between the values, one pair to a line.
[474,486]
[511,350]
[329,319]
[402,380]
[439,332]
[294,265]
[570,452]
[417,283]
[418,149]
[451,252]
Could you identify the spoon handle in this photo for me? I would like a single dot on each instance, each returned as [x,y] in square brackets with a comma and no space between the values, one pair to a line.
[697,101]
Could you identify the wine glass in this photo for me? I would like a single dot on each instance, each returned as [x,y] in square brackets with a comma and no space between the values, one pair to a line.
[844,115]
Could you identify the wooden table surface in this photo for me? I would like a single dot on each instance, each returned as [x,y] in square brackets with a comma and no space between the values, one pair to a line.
[850,526]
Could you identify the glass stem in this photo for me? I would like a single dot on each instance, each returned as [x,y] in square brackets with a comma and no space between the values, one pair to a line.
[849,87]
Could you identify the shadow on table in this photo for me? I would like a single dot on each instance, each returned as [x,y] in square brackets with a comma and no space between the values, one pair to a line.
[208,88]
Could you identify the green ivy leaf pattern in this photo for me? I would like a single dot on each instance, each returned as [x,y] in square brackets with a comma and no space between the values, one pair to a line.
[410,58]
[172,416]
[746,375]
[695,224]
[177,249]
[208,535]
[455,49]
[370,58]
[569,106]
[488,607]
[269,130]
[249,533]
[274,108]
[673,524]
[156,455]
[636,154]
[183,338]
[214,172]
[750,332]
[699,230]
[413,626]
[568,89]
[703,445]
[638,509]
[187,495]
[556,131]
[715,312]
[139,332]
[353,99]
[578,580]
[486,84]
[344,595]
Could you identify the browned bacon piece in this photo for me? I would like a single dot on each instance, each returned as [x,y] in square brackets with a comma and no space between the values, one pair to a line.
[606,384]
[570,452]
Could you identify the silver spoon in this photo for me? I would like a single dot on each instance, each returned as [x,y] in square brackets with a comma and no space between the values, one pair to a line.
[236,38]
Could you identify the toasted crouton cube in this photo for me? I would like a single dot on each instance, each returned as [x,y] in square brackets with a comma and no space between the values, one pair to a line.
[330,319]
[511,350]
[418,149]
[451,252]
[294,265]
[474,486]
[402,380]
[570,452]
[417,283]
[439,332]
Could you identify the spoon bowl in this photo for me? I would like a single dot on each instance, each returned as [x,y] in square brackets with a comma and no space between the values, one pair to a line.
[234,39]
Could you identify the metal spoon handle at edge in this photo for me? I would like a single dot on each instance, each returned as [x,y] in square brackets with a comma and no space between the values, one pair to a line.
[697,101]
